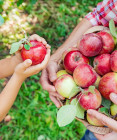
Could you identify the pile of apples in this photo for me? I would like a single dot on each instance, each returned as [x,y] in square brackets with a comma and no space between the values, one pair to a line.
[90,73]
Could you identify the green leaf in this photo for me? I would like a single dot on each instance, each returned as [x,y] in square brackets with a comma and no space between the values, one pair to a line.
[27,47]
[15,47]
[91,89]
[66,115]
[1,20]
[104,110]
[79,110]
[112,28]
[74,91]
[106,103]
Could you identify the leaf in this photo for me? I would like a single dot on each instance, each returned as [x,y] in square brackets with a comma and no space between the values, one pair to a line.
[91,89]
[112,28]
[33,1]
[1,20]
[27,47]
[15,47]
[106,103]
[79,110]
[104,110]
[66,115]
[74,91]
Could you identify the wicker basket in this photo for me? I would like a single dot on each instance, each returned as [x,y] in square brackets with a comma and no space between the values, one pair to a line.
[94,129]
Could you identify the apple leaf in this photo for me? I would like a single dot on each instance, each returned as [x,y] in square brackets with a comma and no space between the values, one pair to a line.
[79,110]
[27,47]
[1,20]
[74,91]
[104,110]
[91,89]
[106,103]
[66,115]
[15,47]
[112,28]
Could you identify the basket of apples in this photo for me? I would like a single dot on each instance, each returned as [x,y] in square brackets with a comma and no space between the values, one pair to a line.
[87,77]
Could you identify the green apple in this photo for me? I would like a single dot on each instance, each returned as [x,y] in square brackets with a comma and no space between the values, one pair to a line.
[113,109]
[61,72]
[66,86]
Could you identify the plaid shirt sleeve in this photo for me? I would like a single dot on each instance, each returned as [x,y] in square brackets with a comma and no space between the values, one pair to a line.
[104,11]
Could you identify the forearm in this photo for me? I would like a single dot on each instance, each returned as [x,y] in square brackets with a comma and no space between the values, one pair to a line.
[8,65]
[8,95]
[73,38]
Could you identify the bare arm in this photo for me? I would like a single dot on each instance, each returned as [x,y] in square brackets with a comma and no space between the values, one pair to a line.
[8,65]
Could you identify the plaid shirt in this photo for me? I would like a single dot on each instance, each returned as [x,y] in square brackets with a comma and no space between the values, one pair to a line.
[104,11]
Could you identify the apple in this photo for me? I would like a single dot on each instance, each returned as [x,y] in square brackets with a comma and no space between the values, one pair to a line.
[90,100]
[73,59]
[66,86]
[84,75]
[113,110]
[108,84]
[101,64]
[7,118]
[96,84]
[113,62]
[108,42]
[90,45]
[68,50]
[36,53]
[93,121]
[61,72]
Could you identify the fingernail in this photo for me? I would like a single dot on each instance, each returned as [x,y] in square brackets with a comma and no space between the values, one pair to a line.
[113,96]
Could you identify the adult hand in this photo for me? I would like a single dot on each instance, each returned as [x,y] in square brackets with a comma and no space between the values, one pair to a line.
[106,121]
[47,78]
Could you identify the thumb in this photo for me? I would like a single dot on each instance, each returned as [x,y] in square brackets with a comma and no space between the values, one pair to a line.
[113,98]
[24,65]
[52,69]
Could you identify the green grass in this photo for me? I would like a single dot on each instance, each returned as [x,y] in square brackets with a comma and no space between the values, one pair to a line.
[33,113]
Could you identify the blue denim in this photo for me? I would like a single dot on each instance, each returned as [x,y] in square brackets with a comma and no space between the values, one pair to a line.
[88,136]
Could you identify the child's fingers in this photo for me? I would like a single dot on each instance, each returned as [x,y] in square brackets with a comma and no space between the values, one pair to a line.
[113,97]
[21,47]
[38,38]
[24,65]
[37,68]
[48,46]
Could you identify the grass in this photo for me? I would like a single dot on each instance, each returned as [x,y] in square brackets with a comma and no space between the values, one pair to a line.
[33,113]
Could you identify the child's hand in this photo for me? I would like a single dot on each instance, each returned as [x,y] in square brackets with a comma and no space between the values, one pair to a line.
[17,58]
[24,69]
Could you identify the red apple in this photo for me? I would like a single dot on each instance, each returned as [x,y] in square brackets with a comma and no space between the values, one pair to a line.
[108,42]
[108,84]
[102,64]
[68,50]
[84,75]
[93,121]
[90,44]
[73,59]
[66,86]
[113,61]
[36,53]
[89,100]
